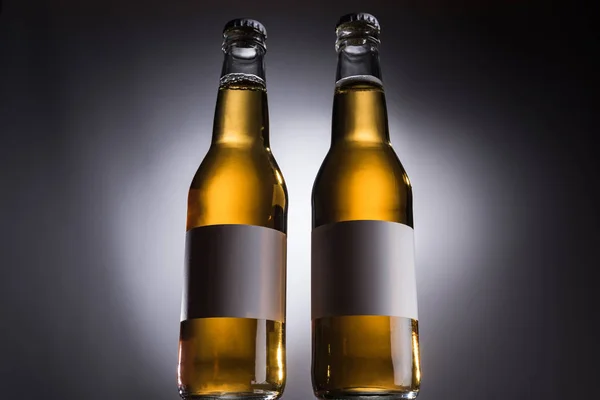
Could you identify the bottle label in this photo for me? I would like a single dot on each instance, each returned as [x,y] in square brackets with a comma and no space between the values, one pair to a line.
[363,268]
[234,271]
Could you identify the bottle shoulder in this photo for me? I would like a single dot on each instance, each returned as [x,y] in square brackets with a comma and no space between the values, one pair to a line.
[252,164]
[238,186]
[362,182]
[344,164]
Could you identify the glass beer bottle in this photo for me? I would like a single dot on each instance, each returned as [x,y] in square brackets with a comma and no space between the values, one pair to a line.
[365,337]
[232,332]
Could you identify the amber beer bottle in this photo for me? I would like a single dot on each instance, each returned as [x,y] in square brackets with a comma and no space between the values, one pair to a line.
[232,332]
[365,336]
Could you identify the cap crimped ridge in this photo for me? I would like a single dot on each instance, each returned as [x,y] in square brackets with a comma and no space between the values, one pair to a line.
[366,17]
[246,23]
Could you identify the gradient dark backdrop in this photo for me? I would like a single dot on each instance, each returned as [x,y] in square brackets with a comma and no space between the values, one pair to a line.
[106,111]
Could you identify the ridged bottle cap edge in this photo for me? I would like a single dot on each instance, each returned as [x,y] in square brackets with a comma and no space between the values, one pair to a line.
[245,23]
[366,17]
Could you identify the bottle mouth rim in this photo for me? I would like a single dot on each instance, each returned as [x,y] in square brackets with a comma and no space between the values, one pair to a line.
[357,29]
[356,37]
[244,39]
[245,32]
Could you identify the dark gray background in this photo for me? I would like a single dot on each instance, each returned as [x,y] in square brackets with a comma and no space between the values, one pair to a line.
[106,111]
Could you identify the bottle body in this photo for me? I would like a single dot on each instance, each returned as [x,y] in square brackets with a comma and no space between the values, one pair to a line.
[232,330]
[365,335]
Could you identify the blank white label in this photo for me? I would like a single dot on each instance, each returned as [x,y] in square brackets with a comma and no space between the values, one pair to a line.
[234,271]
[363,268]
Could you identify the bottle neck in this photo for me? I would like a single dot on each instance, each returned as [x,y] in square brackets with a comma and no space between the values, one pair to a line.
[241,115]
[359,107]
[244,56]
[358,57]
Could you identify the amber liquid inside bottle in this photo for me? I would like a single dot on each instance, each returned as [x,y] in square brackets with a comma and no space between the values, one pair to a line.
[238,182]
[361,178]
